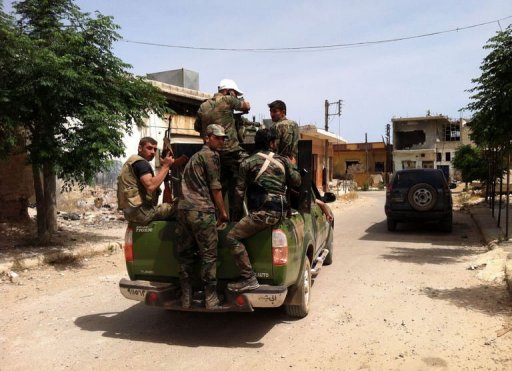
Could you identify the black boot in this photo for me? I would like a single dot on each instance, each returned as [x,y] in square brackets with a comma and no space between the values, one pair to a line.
[186,294]
[211,299]
[245,284]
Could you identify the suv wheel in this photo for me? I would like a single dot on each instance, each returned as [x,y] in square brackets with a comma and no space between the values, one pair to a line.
[446,224]
[422,197]
[391,225]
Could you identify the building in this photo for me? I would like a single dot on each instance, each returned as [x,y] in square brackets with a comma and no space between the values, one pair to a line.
[427,142]
[323,142]
[366,163]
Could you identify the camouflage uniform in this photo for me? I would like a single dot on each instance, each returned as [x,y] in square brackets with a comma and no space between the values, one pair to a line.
[196,211]
[279,174]
[137,204]
[219,110]
[287,137]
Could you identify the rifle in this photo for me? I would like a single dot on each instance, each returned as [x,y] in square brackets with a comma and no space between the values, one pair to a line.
[180,161]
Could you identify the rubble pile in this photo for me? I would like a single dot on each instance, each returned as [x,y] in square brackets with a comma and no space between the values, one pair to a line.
[92,206]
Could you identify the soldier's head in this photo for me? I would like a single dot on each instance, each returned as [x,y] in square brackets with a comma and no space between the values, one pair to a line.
[277,110]
[229,87]
[147,148]
[265,139]
[215,136]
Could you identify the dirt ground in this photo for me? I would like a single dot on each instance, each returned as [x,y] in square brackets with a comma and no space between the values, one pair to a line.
[388,302]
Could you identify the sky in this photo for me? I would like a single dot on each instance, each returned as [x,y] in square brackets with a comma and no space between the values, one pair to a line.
[376,82]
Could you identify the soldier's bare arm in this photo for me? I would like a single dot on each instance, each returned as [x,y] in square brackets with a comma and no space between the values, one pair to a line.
[150,182]
[219,204]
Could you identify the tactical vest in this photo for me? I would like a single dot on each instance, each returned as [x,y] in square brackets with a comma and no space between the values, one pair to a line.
[130,191]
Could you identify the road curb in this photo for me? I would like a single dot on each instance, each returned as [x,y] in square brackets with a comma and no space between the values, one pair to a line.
[56,256]
[493,238]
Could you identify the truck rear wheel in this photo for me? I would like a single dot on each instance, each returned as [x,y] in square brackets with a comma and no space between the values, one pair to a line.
[304,289]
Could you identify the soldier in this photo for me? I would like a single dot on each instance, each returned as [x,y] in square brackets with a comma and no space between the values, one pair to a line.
[201,195]
[287,130]
[138,188]
[265,175]
[219,110]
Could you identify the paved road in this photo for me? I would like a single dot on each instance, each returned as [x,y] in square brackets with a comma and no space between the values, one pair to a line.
[401,300]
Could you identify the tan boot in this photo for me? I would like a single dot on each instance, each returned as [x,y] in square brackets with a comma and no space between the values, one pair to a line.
[210,297]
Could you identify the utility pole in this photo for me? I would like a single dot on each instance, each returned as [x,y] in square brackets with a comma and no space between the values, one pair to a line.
[337,112]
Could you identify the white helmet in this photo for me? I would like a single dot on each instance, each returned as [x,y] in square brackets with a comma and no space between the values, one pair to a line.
[229,84]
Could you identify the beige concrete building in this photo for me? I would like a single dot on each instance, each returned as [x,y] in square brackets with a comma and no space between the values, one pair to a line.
[427,142]
[366,163]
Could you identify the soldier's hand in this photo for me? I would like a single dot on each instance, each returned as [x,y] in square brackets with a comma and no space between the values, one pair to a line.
[223,218]
[168,160]
[246,106]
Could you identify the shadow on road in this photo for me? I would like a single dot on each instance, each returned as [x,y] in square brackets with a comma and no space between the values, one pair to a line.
[430,255]
[464,233]
[487,299]
[142,323]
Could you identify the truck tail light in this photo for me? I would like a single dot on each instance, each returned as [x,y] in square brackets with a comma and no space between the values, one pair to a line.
[128,244]
[279,247]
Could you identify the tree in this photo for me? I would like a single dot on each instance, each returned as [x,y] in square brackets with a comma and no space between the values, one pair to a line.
[71,96]
[471,163]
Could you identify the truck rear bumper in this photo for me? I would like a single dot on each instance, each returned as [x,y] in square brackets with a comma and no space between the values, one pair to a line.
[166,295]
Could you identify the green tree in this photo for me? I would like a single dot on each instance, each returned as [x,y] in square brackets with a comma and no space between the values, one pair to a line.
[492,94]
[471,163]
[62,86]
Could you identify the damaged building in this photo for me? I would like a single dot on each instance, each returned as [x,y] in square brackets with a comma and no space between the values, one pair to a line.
[428,142]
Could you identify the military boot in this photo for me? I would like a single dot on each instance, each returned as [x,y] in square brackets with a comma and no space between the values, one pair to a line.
[211,299]
[186,294]
[244,284]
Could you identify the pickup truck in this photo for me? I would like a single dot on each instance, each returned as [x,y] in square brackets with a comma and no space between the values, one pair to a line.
[285,258]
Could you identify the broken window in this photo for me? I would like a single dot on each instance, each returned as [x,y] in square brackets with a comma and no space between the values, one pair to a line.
[409,139]
[427,164]
[408,164]
[379,167]
[452,132]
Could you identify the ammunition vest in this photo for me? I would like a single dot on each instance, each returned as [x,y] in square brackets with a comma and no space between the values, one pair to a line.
[130,191]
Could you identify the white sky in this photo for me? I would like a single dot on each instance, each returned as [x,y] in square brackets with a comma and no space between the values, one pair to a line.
[376,83]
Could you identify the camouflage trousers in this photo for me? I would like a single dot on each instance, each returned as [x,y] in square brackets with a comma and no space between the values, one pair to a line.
[147,213]
[197,234]
[229,166]
[246,227]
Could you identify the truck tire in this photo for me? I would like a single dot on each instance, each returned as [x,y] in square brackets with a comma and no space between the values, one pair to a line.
[328,258]
[304,288]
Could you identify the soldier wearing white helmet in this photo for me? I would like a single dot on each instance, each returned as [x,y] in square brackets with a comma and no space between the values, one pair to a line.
[219,110]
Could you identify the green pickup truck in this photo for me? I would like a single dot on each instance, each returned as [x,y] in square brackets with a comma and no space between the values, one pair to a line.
[285,258]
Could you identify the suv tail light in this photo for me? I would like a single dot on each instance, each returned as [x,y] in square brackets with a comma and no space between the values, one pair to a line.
[279,247]
[128,244]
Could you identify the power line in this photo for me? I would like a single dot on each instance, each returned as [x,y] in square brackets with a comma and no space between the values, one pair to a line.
[318,47]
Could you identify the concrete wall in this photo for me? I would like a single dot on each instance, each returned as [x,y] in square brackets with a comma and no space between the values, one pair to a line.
[16,188]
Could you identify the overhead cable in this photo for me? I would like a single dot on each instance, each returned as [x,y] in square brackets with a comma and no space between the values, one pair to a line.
[317,47]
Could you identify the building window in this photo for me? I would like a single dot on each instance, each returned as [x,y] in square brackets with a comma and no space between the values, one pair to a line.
[452,132]
[408,164]
[438,156]
[427,164]
[379,167]
[448,156]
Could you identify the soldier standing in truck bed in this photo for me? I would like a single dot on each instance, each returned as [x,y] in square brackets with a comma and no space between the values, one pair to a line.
[265,176]
[201,195]
[219,110]
[287,130]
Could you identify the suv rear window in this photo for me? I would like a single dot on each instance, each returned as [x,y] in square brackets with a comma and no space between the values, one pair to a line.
[407,179]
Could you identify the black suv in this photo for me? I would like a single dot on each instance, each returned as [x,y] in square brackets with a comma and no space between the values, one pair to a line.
[419,195]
